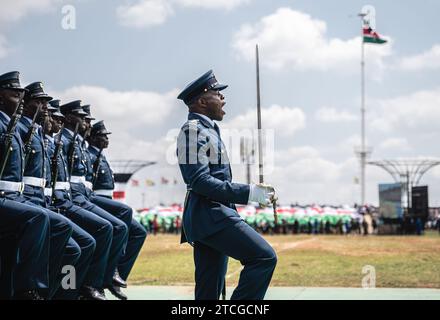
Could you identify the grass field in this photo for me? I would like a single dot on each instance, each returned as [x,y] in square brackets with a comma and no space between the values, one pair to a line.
[309,261]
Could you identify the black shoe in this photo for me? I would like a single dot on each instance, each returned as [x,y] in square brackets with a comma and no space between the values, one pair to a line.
[90,293]
[28,295]
[118,281]
[117,292]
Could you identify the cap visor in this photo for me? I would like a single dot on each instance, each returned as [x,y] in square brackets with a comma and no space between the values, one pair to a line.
[58,114]
[219,87]
[16,88]
[42,96]
[80,112]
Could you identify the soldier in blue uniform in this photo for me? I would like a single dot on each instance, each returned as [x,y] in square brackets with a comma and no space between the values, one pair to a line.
[64,250]
[210,220]
[103,185]
[93,234]
[81,188]
[23,227]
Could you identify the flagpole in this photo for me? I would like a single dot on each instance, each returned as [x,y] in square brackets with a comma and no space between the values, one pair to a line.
[363,152]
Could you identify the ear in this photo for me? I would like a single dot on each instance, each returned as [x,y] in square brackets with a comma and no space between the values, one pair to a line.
[202,102]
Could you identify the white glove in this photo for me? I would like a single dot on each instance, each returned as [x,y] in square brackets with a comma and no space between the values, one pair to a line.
[264,194]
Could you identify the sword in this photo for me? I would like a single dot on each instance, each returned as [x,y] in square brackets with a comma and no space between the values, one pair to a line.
[260,149]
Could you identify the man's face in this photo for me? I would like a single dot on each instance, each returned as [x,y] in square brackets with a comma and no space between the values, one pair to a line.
[213,102]
[88,124]
[57,122]
[75,118]
[31,106]
[102,141]
[9,99]
[47,124]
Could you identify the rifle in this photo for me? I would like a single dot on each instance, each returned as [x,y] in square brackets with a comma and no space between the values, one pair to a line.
[96,167]
[29,135]
[86,135]
[71,152]
[54,162]
[12,125]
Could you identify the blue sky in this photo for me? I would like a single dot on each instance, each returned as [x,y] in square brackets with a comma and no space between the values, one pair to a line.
[129,59]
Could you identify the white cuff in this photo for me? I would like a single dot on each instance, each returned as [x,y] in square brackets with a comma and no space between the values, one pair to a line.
[251,193]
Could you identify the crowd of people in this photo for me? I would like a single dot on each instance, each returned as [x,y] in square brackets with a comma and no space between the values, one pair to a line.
[298,219]
[294,219]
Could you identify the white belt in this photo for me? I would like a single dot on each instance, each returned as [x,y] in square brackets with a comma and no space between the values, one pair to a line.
[36,182]
[62,185]
[81,179]
[48,192]
[11,186]
[88,185]
[104,192]
[77,179]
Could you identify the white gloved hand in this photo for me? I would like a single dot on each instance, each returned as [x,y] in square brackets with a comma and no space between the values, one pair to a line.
[264,194]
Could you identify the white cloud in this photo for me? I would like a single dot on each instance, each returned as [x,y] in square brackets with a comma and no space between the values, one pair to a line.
[12,11]
[213,4]
[429,59]
[144,13]
[395,143]
[284,120]
[15,10]
[293,39]
[118,107]
[328,114]
[309,177]
[419,110]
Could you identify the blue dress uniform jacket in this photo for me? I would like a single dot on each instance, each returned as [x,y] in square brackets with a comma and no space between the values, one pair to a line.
[36,163]
[104,179]
[137,233]
[27,225]
[60,228]
[80,197]
[210,203]
[15,165]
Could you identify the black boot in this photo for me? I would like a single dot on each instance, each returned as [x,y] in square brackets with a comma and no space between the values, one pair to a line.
[90,293]
[118,281]
[117,292]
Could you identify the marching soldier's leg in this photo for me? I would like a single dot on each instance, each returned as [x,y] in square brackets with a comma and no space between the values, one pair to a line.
[60,232]
[210,271]
[136,234]
[71,256]
[243,243]
[117,209]
[101,231]
[136,238]
[87,245]
[120,237]
[31,226]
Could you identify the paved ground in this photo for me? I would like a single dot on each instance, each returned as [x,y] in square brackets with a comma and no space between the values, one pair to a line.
[289,293]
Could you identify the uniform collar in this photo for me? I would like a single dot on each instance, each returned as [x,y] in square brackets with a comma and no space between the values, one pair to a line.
[5,116]
[94,148]
[209,122]
[50,138]
[70,132]
[27,120]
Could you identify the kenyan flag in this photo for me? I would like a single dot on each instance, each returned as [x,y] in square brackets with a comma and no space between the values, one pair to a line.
[371,36]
